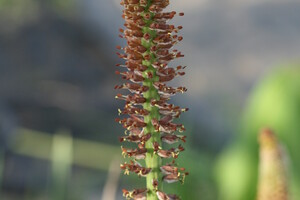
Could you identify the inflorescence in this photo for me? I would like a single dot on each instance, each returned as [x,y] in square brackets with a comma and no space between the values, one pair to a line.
[273,177]
[149,122]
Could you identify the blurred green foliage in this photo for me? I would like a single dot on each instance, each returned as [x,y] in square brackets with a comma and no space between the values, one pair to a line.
[99,154]
[21,3]
[20,8]
[274,103]
[62,157]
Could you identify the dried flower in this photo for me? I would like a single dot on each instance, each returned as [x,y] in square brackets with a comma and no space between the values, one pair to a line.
[149,121]
[136,194]
[164,196]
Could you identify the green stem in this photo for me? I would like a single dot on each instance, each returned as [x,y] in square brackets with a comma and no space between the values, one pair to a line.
[152,160]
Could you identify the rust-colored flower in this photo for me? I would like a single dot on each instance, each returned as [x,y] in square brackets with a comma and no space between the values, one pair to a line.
[148,114]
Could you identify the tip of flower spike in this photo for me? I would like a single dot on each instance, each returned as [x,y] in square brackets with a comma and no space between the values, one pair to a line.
[272,167]
[266,131]
[266,135]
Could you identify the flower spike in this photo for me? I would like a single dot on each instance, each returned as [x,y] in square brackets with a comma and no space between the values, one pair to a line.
[149,117]
[273,177]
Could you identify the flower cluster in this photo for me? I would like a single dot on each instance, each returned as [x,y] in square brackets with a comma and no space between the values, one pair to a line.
[149,115]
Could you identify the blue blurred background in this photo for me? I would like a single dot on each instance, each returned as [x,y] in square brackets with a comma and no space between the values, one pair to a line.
[58,138]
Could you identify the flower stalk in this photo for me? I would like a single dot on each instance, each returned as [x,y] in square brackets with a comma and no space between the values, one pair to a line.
[150,41]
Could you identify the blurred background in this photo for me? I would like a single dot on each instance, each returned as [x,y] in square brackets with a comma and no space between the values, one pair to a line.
[58,137]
